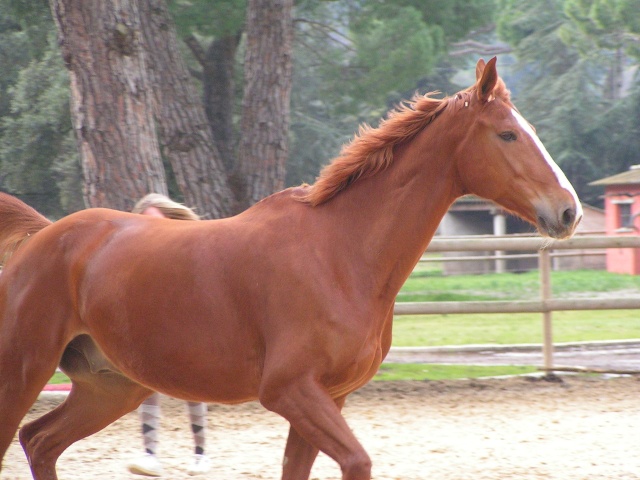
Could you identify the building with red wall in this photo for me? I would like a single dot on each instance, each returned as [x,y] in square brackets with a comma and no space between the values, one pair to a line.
[622,207]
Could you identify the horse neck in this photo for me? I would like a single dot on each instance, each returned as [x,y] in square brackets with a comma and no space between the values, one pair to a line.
[393,214]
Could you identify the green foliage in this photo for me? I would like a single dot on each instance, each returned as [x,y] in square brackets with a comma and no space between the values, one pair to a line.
[571,78]
[355,60]
[38,156]
[208,18]
[31,20]
[602,24]
[567,127]
[454,18]
[531,28]
[20,41]
[394,49]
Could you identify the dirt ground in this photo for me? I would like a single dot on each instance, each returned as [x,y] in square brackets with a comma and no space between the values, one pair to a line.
[517,428]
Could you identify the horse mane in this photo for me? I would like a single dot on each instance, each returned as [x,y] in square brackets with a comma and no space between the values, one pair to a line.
[371,149]
[18,221]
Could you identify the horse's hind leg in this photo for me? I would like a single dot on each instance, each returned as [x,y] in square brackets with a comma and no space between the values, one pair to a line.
[22,377]
[15,401]
[95,401]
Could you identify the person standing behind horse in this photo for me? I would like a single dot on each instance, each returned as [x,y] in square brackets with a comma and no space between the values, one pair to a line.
[157,205]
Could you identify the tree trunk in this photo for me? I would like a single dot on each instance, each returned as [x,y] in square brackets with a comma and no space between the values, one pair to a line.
[185,134]
[111,100]
[219,92]
[264,145]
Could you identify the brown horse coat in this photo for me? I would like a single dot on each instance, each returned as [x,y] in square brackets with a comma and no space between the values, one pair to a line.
[289,302]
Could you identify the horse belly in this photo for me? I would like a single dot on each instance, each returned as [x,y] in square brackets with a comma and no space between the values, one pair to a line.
[172,328]
[194,373]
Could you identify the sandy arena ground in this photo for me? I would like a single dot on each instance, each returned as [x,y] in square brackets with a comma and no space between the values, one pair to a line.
[582,428]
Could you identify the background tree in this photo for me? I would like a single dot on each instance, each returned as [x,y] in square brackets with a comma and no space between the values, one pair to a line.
[184,133]
[606,31]
[111,100]
[357,60]
[213,31]
[264,146]
[565,76]
[353,61]
[332,110]
[38,158]
[554,83]
[144,75]
[37,137]
[254,159]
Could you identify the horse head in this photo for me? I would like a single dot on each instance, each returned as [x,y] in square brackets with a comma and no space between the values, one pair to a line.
[502,159]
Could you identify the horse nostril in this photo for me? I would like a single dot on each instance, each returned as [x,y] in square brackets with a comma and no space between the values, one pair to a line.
[568,217]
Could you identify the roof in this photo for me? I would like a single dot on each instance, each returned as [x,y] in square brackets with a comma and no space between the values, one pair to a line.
[471,199]
[631,176]
[470,203]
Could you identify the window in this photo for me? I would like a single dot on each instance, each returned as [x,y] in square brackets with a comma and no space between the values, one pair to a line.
[625,219]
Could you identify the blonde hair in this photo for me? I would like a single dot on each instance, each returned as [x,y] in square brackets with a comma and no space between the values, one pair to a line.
[168,207]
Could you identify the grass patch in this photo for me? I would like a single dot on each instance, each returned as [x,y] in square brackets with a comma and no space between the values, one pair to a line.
[439,296]
[422,286]
[506,329]
[426,371]
[427,286]
[59,378]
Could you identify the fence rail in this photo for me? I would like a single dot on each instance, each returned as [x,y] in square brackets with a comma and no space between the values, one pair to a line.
[470,244]
[524,306]
[581,253]
[546,304]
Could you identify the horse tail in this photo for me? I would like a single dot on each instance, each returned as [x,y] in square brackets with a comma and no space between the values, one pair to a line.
[18,221]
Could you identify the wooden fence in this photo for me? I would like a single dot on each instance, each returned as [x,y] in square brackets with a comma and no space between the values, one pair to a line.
[546,305]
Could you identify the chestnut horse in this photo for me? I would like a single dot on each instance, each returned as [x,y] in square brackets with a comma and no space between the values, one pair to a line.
[290,302]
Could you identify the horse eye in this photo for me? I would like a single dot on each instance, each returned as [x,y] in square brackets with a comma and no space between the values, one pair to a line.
[508,136]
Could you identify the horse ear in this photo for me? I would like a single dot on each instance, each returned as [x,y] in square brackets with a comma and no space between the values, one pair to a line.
[479,68]
[487,78]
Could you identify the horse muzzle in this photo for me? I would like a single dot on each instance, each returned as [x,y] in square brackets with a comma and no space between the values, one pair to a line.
[559,223]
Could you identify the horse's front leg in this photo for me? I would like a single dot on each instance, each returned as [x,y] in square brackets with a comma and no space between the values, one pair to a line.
[299,454]
[317,420]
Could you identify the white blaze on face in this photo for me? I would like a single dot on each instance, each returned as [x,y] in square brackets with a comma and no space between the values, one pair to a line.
[562,178]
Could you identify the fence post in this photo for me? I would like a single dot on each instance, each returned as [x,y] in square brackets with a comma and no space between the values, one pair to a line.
[544,264]
[500,229]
